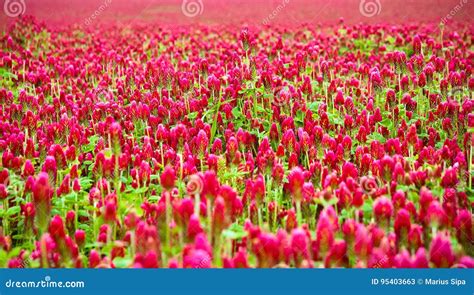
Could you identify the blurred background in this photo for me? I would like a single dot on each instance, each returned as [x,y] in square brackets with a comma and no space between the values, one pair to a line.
[239,11]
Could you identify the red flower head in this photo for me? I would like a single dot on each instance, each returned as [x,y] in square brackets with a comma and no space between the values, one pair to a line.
[240,260]
[50,167]
[359,235]
[229,196]
[28,169]
[299,245]
[295,183]
[403,260]
[210,184]
[466,262]
[150,260]
[76,185]
[110,212]
[3,192]
[344,195]
[349,229]
[202,143]
[278,172]
[168,178]
[441,253]
[398,200]
[80,237]
[218,216]
[464,228]
[337,256]
[259,189]
[291,222]
[94,259]
[415,237]
[29,211]
[325,231]
[383,210]
[435,215]
[420,260]
[42,193]
[450,178]
[194,227]
[197,259]
[56,228]
[115,131]
[217,146]
[70,222]
[232,147]
[402,225]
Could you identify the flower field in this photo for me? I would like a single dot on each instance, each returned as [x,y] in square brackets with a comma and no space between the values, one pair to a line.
[227,146]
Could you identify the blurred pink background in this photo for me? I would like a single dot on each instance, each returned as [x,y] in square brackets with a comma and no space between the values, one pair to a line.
[243,11]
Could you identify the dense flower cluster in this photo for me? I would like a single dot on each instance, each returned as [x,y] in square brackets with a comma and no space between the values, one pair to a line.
[221,146]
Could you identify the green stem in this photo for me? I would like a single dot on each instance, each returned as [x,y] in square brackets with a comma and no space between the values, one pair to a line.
[117,179]
[217,252]
[470,167]
[44,253]
[298,212]
[209,220]
[197,205]
[5,217]
[168,220]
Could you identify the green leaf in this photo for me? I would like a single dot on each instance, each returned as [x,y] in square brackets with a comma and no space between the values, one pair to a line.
[236,113]
[377,136]
[91,145]
[193,115]
[84,227]
[13,210]
[334,119]
[122,262]
[235,232]
[86,183]
[386,123]
[6,74]
[314,106]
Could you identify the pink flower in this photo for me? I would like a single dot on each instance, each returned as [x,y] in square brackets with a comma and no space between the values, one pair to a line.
[441,253]
[197,259]
[42,193]
[168,178]
[295,183]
